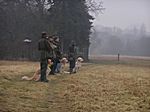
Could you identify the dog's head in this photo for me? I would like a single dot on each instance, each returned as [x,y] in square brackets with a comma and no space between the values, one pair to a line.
[80,59]
[64,60]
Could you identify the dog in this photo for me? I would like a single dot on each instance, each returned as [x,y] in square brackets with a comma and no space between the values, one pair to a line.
[63,62]
[37,75]
[78,64]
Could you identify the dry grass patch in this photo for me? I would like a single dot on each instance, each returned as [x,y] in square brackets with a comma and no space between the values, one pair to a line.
[17,95]
[110,88]
[102,87]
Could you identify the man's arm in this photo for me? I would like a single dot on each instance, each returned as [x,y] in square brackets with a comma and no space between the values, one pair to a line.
[47,44]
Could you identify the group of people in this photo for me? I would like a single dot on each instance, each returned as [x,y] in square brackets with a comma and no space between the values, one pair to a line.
[51,59]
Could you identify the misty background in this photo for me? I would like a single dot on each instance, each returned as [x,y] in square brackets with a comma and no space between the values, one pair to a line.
[123,27]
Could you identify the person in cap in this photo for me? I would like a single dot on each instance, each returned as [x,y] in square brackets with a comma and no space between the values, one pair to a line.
[72,56]
[44,48]
[58,54]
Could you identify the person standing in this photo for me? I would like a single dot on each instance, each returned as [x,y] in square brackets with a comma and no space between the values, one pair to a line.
[72,56]
[52,57]
[58,59]
[57,54]
[44,48]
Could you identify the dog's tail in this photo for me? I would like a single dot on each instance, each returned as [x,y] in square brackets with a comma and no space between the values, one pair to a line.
[26,78]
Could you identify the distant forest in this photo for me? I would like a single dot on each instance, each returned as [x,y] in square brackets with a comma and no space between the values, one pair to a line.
[25,20]
[111,41]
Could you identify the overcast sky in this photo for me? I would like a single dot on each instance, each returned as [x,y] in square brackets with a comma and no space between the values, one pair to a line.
[125,13]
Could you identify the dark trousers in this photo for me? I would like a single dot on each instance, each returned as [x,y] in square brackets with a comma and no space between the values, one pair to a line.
[57,62]
[72,64]
[53,67]
[43,65]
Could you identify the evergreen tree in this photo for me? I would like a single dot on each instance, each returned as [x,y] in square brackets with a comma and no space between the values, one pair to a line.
[21,19]
[71,21]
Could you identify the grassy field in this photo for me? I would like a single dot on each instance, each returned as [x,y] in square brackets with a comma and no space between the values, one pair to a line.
[100,86]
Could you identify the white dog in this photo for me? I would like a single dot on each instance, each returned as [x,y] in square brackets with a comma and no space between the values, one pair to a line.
[78,64]
[63,61]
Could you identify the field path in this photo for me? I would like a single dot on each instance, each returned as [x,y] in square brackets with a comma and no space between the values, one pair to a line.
[56,99]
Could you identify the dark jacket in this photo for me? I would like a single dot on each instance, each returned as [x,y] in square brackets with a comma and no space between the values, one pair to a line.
[72,51]
[44,48]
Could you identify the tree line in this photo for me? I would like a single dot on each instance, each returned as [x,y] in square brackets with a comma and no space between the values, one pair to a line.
[26,19]
[111,41]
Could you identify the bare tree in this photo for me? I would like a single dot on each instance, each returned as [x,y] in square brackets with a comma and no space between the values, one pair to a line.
[95,6]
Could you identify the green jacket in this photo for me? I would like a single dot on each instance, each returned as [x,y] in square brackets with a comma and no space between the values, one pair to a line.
[44,48]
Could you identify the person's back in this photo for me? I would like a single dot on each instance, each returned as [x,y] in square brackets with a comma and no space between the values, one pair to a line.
[44,48]
[72,56]
[42,42]
[72,50]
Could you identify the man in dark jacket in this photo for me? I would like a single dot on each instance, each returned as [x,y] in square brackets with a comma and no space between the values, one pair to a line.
[56,54]
[44,48]
[72,56]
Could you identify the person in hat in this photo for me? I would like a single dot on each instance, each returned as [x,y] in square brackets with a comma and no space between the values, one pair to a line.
[44,48]
[72,56]
[58,54]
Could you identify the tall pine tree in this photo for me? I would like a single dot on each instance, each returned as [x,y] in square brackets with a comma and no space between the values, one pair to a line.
[71,21]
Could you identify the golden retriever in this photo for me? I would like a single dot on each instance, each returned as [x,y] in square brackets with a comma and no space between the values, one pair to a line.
[37,75]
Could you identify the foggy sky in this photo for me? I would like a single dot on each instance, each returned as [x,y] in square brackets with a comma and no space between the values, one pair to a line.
[125,14]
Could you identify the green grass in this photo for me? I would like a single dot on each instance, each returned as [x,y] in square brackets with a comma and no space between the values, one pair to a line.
[104,86]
